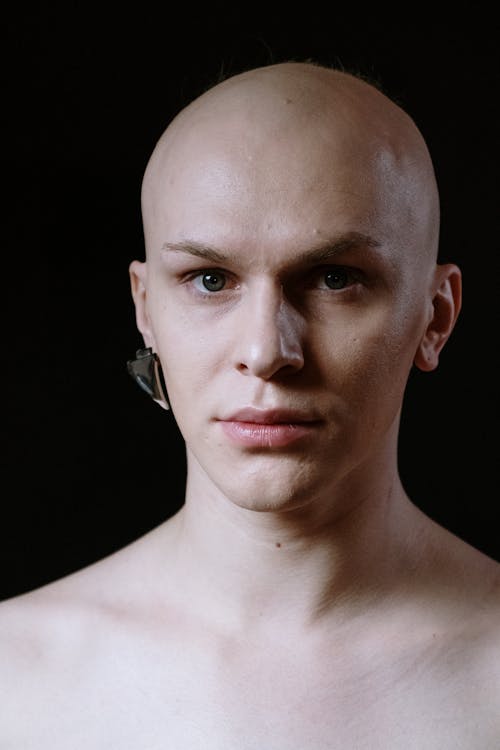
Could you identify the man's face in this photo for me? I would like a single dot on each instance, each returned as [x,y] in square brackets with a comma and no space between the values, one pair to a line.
[282,276]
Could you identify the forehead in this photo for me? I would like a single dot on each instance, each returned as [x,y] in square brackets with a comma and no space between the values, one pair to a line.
[277,198]
[267,172]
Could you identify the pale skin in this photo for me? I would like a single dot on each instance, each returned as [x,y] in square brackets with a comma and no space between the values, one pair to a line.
[299,599]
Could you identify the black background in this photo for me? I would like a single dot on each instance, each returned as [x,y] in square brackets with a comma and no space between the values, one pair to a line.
[89,462]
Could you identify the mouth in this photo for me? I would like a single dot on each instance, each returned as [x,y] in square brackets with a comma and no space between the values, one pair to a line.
[273,428]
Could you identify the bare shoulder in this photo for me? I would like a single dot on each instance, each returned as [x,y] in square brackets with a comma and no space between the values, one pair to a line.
[466,580]
[42,640]
[482,630]
[41,628]
[63,611]
[474,656]
[71,644]
[467,595]
[34,629]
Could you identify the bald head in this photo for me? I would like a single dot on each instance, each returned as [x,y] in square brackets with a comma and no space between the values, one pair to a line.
[272,132]
[291,223]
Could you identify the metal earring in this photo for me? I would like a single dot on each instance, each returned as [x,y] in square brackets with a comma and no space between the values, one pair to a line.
[146,371]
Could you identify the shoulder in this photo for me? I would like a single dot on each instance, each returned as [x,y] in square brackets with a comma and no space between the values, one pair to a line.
[71,645]
[39,630]
[465,584]
[456,572]
[480,633]
[41,637]
[59,618]
[466,595]
[455,607]
[473,668]
[56,643]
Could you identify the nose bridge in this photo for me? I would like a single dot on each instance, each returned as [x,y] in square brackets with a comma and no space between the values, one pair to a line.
[271,333]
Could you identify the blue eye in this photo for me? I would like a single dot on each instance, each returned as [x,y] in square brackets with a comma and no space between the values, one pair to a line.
[336,278]
[213,281]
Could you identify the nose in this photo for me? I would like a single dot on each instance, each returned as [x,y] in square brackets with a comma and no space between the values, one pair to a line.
[270,335]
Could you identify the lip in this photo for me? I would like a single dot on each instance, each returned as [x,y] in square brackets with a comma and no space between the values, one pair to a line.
[270,416]
[270,428]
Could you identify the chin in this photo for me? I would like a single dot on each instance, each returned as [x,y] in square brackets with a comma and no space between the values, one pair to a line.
[267,504]
[265,483]
[268,491]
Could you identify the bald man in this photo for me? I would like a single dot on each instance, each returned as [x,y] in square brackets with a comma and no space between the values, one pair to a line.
[298,600]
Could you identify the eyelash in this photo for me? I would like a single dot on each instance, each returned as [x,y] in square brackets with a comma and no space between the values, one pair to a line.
[352,275]
[205,272]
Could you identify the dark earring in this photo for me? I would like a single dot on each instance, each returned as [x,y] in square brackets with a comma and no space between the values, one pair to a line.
[146,371]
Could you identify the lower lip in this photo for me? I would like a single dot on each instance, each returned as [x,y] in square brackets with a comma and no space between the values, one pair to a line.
[254,435]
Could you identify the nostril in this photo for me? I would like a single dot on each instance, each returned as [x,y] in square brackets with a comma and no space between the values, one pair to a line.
[270,341]
[266,369]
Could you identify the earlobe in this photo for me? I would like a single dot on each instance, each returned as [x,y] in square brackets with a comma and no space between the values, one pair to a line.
[138,286]
[446,304]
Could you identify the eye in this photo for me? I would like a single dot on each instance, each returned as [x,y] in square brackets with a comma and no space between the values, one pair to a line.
[337,277]
[213,281]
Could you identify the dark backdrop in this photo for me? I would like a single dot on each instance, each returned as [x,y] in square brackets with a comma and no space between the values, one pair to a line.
[89,462]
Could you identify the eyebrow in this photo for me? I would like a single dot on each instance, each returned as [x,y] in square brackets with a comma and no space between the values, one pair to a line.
[319,254]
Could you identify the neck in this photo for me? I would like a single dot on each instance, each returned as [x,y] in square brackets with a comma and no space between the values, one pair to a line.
[293,570]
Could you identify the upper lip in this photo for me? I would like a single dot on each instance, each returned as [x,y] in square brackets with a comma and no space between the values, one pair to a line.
[269,416]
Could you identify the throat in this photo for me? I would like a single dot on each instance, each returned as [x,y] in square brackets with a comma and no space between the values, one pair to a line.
[248,570]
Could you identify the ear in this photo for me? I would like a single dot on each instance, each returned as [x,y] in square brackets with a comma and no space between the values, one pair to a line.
[446,304]
[138,286]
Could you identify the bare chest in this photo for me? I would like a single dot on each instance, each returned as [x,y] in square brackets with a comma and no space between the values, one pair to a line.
[191,697]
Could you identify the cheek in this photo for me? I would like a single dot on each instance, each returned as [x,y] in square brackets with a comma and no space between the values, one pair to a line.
[189,353]
[370,356]
[363,356]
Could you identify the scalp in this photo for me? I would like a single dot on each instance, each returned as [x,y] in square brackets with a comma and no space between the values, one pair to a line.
[290,102]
